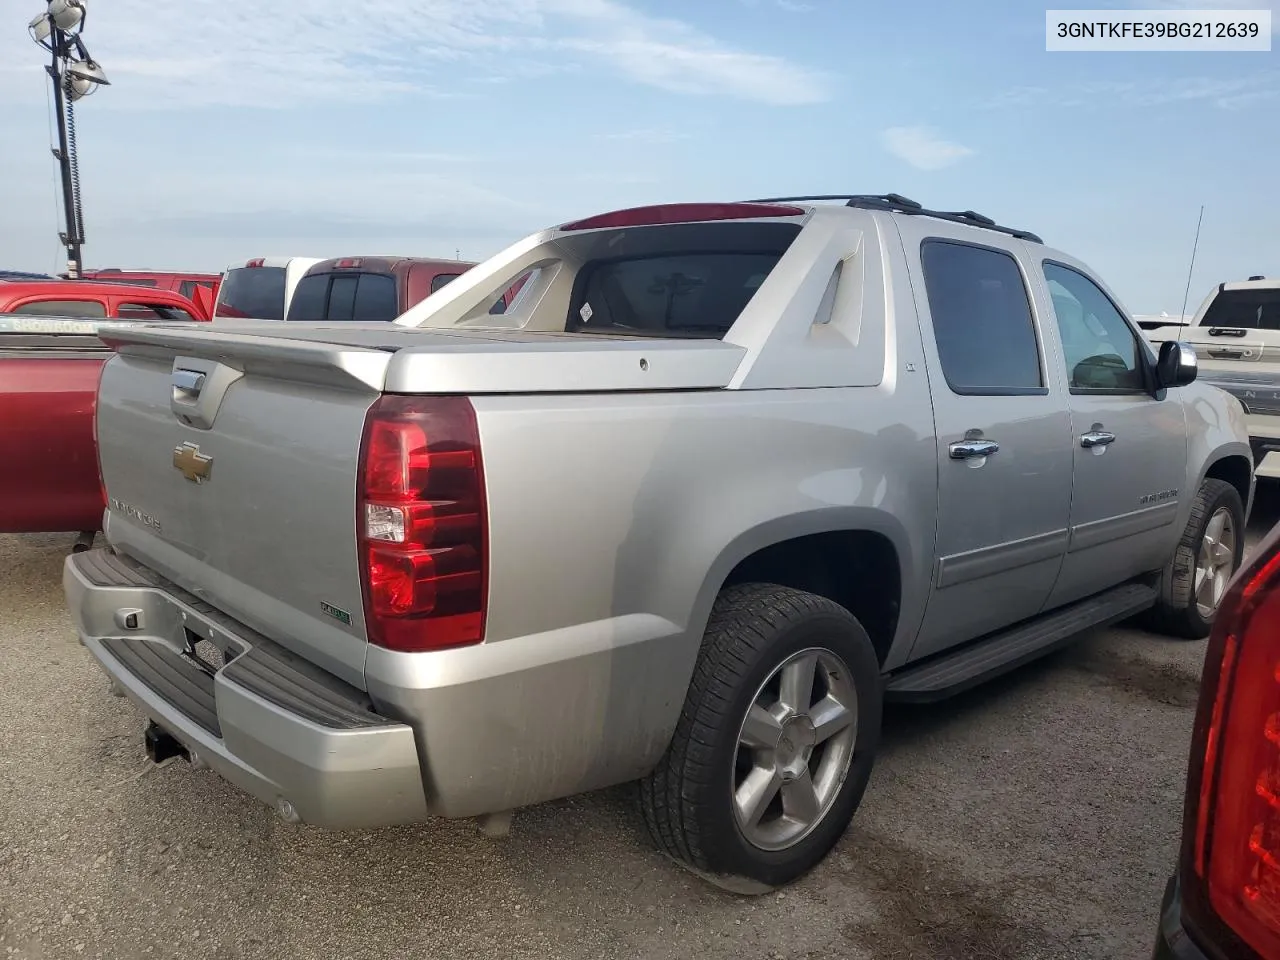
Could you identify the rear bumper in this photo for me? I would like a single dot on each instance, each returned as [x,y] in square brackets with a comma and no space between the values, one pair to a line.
[271,724]
[1172,939]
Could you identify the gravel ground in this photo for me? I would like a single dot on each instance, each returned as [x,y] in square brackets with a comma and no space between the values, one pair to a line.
[1036,817]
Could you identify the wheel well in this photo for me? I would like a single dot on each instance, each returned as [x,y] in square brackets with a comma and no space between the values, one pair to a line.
[857,569]
[1236,471]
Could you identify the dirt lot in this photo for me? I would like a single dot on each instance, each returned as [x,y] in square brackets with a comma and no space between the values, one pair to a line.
[1033,818]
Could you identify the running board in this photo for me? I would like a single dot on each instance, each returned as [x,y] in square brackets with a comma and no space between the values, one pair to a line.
[943,676]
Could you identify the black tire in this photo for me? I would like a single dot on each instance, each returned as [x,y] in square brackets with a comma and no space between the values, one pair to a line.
[1176,612]
[686,801]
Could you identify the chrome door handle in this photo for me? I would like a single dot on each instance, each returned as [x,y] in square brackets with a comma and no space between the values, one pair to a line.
[187,383]
[1096,438]
[972,449]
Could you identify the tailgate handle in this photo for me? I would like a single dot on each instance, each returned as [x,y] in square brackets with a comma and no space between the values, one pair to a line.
[198,389]
[187,384]
[1226,353]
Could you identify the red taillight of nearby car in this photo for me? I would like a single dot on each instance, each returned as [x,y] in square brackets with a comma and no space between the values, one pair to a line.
[422,524]
[1231,873]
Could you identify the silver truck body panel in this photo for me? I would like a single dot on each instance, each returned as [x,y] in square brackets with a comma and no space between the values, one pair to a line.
[626,478]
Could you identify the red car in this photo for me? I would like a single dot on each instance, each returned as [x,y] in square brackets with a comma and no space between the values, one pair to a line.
[1224,901]
[95,301]
[49,369]
[185,284]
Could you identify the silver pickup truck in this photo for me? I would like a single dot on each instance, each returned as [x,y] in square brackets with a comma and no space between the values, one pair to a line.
[720,480]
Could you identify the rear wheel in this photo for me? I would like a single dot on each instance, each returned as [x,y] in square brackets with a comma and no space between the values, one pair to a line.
[1207,556]
[776,740]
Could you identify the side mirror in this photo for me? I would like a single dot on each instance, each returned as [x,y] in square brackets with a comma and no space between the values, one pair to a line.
[1177,365]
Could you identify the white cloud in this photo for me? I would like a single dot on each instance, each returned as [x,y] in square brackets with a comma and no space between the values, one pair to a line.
[923,148]
[240,52]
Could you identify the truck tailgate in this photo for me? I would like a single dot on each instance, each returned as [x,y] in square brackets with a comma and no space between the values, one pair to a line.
[231,456]
[230,468]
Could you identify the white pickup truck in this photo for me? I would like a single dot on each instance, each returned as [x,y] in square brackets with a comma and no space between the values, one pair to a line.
[720,479]
[1236,333]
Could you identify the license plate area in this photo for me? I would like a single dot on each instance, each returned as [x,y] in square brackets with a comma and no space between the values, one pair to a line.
[208,649]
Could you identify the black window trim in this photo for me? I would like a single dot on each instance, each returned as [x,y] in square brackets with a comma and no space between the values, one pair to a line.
[1143,346]
[1040,391]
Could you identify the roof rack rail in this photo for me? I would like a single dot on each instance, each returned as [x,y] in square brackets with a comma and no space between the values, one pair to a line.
[896,203]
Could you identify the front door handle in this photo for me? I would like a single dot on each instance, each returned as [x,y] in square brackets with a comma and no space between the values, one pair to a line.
[972,449]
[1097,438]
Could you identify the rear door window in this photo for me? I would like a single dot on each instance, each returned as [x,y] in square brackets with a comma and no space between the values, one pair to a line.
[63,308]
[254,292]
[982,319]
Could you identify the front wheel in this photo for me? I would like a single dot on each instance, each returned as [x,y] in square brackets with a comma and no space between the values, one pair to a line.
[1207,555]
[776,740]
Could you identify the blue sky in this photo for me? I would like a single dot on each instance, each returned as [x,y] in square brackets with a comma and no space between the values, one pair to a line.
[426,127]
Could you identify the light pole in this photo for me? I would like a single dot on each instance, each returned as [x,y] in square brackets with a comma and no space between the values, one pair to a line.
[74,74]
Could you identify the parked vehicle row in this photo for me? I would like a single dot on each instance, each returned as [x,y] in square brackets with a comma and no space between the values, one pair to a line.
[718,481]
[1236,332]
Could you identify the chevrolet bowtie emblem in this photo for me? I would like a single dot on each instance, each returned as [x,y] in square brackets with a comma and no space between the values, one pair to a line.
[195,466]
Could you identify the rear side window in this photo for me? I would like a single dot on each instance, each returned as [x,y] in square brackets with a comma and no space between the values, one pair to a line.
[253,292]
[1257,309]
[981,319]
[440,279]
[152,311]
[63,308]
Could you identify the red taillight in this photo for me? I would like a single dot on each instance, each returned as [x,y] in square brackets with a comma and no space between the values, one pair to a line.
[683,213]
[347,263]
[1234,793]
[422,524]
[255,262]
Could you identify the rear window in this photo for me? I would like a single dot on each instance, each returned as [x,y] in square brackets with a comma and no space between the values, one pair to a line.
[252,292]
[1256,309]
[685,280]
[63,308]
[683,294]
[152,311]
[356,297]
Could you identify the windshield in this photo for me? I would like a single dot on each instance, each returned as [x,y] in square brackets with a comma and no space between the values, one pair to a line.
[252,292]
[1252,309]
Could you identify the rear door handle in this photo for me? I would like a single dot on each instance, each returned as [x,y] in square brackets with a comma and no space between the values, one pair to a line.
[972,449]
[1097,438]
